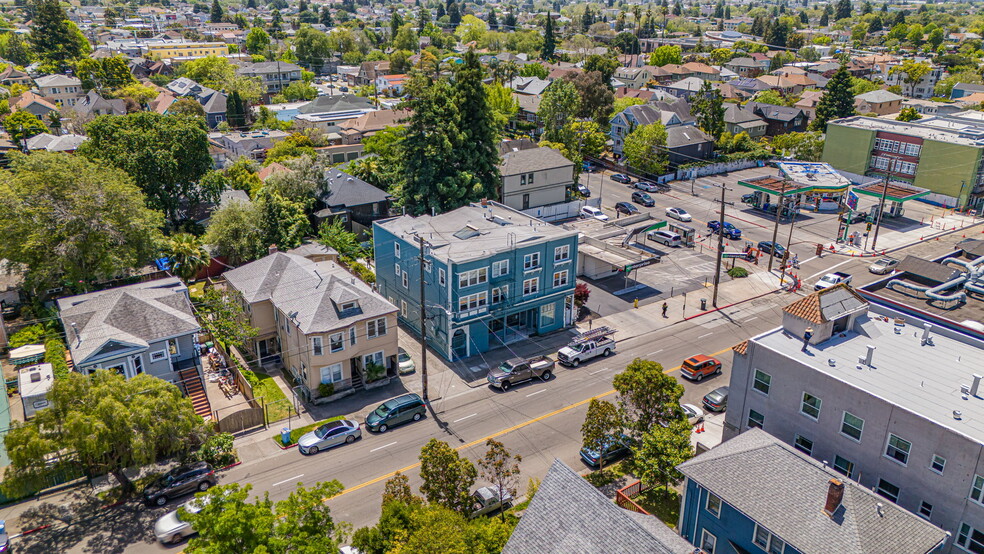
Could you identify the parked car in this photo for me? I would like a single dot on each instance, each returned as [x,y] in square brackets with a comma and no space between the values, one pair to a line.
[182,480]
[588,167]
[170,528]
[404,362]
[330,434]
[694,414]
[621,178]
[717,399]
[853,217]
[647,186]
[640,197]
[669,238]
[518,370]
[583,190]
[615,448]
[883,266]
[626,208]
[678,213]
[697,367]
[401,409]
[343,89]
[593,213]
[748,198]
[486,501]
[730,230]
[774,248]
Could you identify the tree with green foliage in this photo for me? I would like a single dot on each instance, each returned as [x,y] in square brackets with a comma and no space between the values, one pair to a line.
[235,231]
[225,318]
[708,107]
[647,397]
[55,40]
[836,102]
[667,54]
[284,221]
[165,154]
[626,43]
[447,477]
[313,47]
[236,111]
[603,64]
[299,90]
[806,146]
[215,15]
[645,148]
[535,69]
[104,423]
[861,86]
[596,97]
[908,114]
[549,41]
[290,147]
[912,72]
[429,528]
[843,10]
[67,220]
[186,106]
[661,449]
[104,74]
[559,107]
[602,425]
[257,41]
[22,125]
[770,97]
[211,71]
[397,489]
[501,468]
[478,155]
[188,255]
[945,86]
[346,243]
[624,102]
[503,105]
[230,521]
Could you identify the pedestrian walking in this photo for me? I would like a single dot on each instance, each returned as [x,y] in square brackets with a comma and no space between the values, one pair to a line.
[796,261]
[807,335]
[665,307]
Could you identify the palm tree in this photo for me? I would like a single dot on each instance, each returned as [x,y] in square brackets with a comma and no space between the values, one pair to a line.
[188,256]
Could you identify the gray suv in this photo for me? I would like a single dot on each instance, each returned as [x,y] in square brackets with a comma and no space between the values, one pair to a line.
[396,411]
[182,480]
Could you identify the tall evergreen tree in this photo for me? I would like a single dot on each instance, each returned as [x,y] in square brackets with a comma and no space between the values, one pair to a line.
[825,16]
[326,17]
[549,44]
[509,22]
[441,12]
[216,14]
[492,20]
[758,26]
[477,154]
[837,102]
[395,22]
[55,39]
[251,4]
[843,9]
[236,111]
[708,107]
[454,14]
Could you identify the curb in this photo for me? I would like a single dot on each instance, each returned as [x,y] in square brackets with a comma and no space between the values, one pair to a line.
[230,466]
[827,252]
[288,447]
[29,531]
[718,309]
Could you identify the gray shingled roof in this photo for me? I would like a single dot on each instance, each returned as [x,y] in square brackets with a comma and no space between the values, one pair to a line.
[785,491]
[568,515]
[680,136]
[532,159]
[338,103]
[879,96]
[348,191]
[310,293]
[132,315]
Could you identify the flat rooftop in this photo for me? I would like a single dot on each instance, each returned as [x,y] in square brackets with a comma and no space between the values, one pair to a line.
[922,379]
[952,128]
[817,174]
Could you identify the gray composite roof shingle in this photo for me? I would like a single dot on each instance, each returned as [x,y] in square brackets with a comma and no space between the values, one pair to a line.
[349,191]
[532,159]
[338,103]
[570,516]
[680,136]
[309,293]
[136,314]
[785,491]
[879,96]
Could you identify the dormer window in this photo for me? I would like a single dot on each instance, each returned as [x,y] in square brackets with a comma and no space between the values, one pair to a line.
[349,306]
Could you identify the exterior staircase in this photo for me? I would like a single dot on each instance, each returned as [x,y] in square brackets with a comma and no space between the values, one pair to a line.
[192,385]
[357,380]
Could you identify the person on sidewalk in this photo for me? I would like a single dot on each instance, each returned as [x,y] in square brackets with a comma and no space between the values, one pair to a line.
[665,307]
[807,335]
[796,261]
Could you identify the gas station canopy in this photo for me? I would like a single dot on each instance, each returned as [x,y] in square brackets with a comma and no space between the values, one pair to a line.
[774,185]
[897,192]
[800,178]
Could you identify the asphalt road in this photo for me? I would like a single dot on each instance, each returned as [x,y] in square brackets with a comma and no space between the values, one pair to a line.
[539,420]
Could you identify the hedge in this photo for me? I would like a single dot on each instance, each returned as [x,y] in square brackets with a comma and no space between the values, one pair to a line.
[54,354]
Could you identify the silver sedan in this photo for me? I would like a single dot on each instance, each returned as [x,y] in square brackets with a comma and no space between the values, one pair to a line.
[171,528]
[330,434]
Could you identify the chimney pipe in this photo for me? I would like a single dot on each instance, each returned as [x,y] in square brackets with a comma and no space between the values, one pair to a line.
[835,495]
[976,385]
[273,249]
[926,337]
[869,355]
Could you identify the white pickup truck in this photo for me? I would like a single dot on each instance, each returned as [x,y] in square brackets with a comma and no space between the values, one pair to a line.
[597,342]
[832,279]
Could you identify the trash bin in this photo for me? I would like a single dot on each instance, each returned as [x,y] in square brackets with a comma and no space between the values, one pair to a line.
[285,436]
[703,303]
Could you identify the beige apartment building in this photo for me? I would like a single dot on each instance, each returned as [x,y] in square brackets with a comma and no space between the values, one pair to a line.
[326,325]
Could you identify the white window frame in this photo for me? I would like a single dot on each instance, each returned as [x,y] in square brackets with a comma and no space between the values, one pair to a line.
[501,292]
[158,356]
[332,341]
[367,358]
[396,250]
[442,277]
[563,280]
[716,512]
[977,490]
[334,373]
[406,281]
[709,549]
[403,308]
[882,493]
[473,277]
[531,261]
[500,268]
[801,448]
[767,383]
[925,514]
[317,346]
[374,326]
[353,335]
[844,424]
[770,541]
[562,253]
[966,533]
[804,406]
[173,343]
[473,301]
[933,462]
[398,270]
[888,444]
[531,286]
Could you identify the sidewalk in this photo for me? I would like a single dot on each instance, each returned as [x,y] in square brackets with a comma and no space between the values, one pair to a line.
[895,239]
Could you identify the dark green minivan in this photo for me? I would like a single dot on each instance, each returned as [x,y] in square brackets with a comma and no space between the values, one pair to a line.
[396,411]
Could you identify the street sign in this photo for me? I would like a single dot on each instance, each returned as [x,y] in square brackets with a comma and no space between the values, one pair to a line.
[729,255]
[642,263]
[852,201]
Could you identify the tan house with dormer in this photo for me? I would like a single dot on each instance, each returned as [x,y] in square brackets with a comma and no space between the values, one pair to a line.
[326,325]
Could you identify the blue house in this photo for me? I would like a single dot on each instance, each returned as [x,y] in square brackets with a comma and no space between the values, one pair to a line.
[757,495]
[492,275]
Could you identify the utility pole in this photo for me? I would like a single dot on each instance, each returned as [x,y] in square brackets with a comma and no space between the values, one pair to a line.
[881,203]
[720,251]
[789,242]
[775,229]
[423,322]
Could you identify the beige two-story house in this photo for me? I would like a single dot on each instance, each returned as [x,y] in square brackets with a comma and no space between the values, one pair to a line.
[326,325]
[535,177]
[60,89]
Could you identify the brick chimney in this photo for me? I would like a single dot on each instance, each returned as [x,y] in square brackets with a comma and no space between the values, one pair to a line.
[273,249]
[835,495]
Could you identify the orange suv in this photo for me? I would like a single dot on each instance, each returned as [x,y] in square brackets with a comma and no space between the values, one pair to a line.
[700,366]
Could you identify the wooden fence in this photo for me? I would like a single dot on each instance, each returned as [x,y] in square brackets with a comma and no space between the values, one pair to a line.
[623,497]
[245,415]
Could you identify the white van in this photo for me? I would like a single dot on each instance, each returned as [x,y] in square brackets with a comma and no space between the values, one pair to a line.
[665,237]
[593,213]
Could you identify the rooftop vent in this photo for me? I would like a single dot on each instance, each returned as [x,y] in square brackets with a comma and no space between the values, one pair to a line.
[974,388]
[927,338]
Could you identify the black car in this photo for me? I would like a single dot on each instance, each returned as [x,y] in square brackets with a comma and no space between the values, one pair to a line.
[180,481]
[583,190]
[621,178]
[640,197]
[615,447]
[626,208]
[853,217]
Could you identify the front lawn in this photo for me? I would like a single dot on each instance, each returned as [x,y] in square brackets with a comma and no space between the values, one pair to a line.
[662,504]
[296,434]
[609,475]
[278,406]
